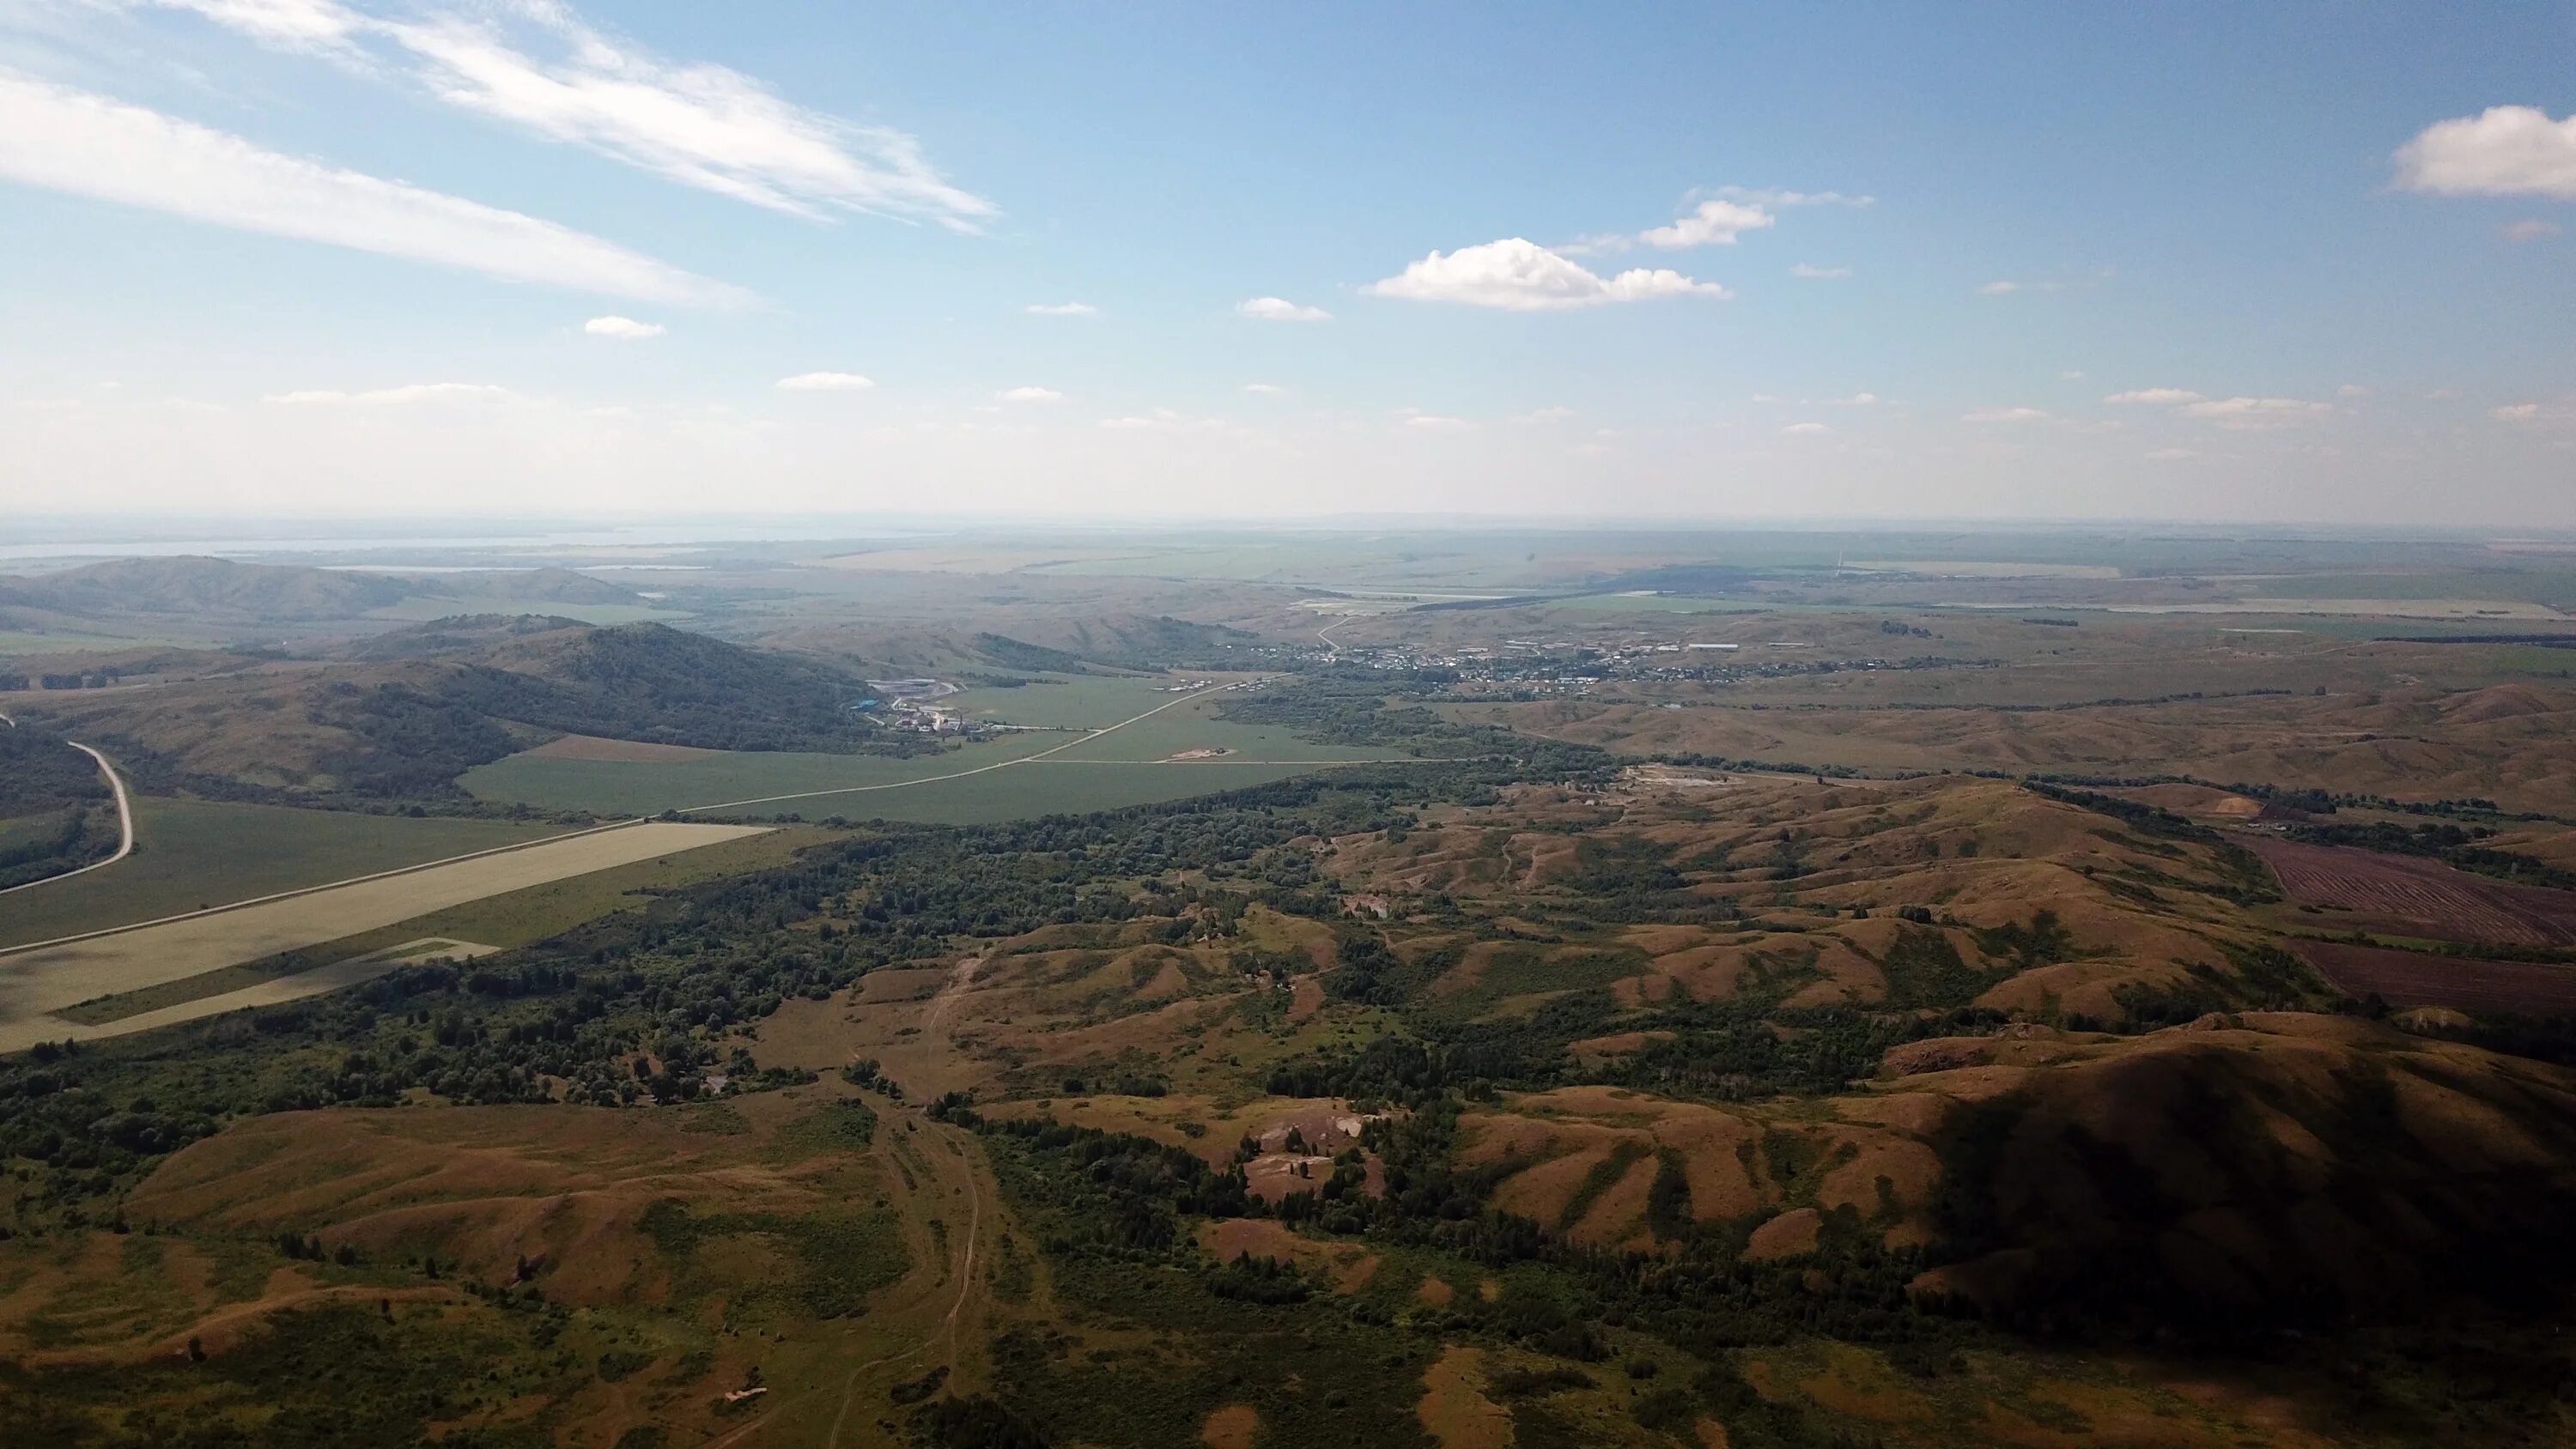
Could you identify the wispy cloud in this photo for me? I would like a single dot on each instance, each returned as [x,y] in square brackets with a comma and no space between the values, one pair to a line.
[1030,395]
[1280,309]
[1062,309]
[625,329]
[537,65]
[1265,389]
[2530,231]
[69,140]
[1804,430]
[417,392]
[1518,275]
[2251,413]
[2502,151]
[2158,397]
[1807,272]
[826,382]
[2003,415]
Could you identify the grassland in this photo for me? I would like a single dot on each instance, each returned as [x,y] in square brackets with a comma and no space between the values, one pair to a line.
[1132,765]
[190,854]
[35,984]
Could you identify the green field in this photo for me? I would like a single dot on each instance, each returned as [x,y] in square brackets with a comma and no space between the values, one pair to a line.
[192,853]
[1121,768]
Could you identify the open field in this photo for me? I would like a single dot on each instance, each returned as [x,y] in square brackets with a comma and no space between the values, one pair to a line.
[2411,978]
[190,854]
[1131,764]
[2420,897]
[36,983]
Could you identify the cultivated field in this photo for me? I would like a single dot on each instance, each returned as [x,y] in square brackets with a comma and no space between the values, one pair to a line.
[2410,978]
[1133,764]
[36,983]
[2421,897]
[190,854]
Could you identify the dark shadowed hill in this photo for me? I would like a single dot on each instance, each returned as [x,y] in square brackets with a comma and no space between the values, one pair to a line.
[204,587]
[421,705]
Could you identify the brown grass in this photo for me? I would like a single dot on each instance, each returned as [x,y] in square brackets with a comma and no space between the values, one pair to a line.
[638,752]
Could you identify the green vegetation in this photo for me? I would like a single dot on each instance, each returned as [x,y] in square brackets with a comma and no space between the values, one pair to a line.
[189,854]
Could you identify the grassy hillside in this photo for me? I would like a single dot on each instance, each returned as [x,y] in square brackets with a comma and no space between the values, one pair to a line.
[420,706]
[1509,1094]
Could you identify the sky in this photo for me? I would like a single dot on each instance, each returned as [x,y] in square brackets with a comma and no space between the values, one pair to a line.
[2293,262]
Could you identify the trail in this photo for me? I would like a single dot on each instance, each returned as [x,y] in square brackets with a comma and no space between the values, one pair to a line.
[957,982]
[124,819]
[955,775]
[1332,651]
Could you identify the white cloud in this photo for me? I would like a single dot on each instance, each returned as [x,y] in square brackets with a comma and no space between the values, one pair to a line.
[2530,231]
[625,329]
[2002,415]
[68,140]
[2158,397]
[1768,196]
[701,125]
[1547,415]
[1265,389]
[1997,289]
[1518,275]
[1805,430]
[1280,309]
[1030,394]
[2171,455]
[1807,272]
[2503,151]
[825,382]
[1713,223]
[2248,413]
[2352,389]
[1063,309]
[417,392]
[2547,414]
[1434,420]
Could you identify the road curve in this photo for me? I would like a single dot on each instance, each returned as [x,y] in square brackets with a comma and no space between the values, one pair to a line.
[124,820]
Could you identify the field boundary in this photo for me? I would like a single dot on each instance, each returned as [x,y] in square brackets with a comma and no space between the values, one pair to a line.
[313,889]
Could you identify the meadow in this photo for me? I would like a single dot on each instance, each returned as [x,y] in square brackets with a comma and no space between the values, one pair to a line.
[190,854]
[1133,765]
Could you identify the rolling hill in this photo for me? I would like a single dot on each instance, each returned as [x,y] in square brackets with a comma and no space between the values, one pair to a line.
[418,706]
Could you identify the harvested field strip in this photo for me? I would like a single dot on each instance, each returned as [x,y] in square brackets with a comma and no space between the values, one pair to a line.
[192,854]
[263,983]
[35,983]
[2410,978]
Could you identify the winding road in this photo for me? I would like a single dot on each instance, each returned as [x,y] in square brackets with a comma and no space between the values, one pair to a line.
[124,817]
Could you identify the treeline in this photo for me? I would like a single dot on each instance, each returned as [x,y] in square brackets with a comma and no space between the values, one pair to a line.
[2453,845]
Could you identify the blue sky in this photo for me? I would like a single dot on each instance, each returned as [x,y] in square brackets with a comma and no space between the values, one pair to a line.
[2282,262]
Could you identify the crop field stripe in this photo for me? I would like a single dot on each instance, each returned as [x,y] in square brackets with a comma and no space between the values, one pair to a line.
[33,988]
[309,890]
